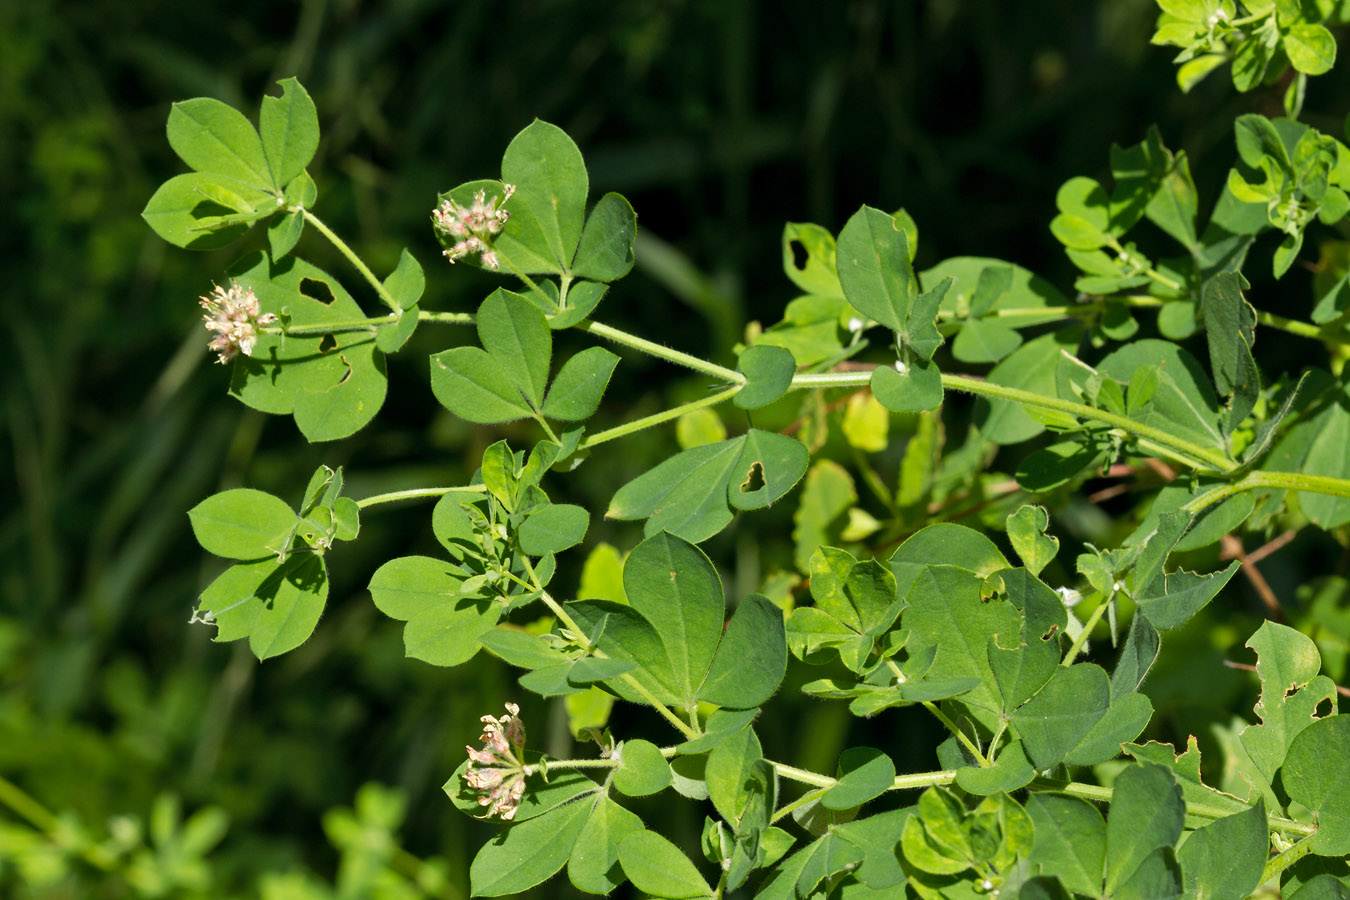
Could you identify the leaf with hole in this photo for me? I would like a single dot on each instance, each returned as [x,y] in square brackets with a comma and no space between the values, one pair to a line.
[692,494]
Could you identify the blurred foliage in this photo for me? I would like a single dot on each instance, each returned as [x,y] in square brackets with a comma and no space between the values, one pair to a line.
[720,120]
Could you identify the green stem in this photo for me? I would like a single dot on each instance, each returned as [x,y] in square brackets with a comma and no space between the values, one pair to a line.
[352,258]
[548,432]
[1201,810]
[665,415]
[960,735]
[529,282]
[1212,458]
[1199,457]
[787,809]
[1082,638]
[445,318]
[1286,859]
[805,776]
[1294,481]
[608,332]
[416,494]
[570,624]
[1293,326]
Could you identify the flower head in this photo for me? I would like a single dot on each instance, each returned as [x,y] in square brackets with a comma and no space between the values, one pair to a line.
[233,315]
[496,771]
[473,227]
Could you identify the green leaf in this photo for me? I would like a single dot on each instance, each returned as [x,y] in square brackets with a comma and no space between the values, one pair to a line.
[830,854]
[642,769]
[606,249]
[984,341]
[527,651]
[1316,773]
[1146,815]
[575,393]
[476,387]
[582,300]
[947,615]
[917,390]
[444,625]
[186,210]
[1184,404]
[1287,662]
[216,139]
[657,867]
[276,605]
[1026,532]
[1321,887]
[549,204]
[1224,859]
[407,282]
[1230,325]
[1123,721]
[689,494]
[593,866]
[816,274]
[333,384]
[1158,877]
[516,335]
[527,853]
[751,659]
[874,270]
[391,337]
[243,524]
[768,371]
[289,127]
[1311,48]
[284,230]
[1170,601]
[944,544]
[1011,771]
[553,529]
[1056,465]
[1062,713]
[1315,444]
[864,774]
[1070,841]
[673,585]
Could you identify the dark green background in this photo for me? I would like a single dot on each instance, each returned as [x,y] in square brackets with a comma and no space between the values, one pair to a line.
[719,119]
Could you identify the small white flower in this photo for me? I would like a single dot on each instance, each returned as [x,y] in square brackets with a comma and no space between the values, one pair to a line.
[855,324]
[473,226]
[234,315]
[496,771]
[901,367]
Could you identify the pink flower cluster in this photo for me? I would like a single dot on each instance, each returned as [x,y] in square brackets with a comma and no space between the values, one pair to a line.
[496,772]
[233,314]
[474,227]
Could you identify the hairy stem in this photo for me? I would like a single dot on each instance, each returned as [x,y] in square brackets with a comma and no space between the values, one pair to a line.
[1294,481]
[571,625]
[416,494]
[599,329]
[1196,455]
[355,260]
[1083,635]
[665,415]
[960,735]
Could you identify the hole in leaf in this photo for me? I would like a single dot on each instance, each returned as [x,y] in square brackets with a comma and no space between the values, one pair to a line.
[327,344]
[346,372]
[316,290]
[799,255]
[1325,708]
[1051,633]
[754,480]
